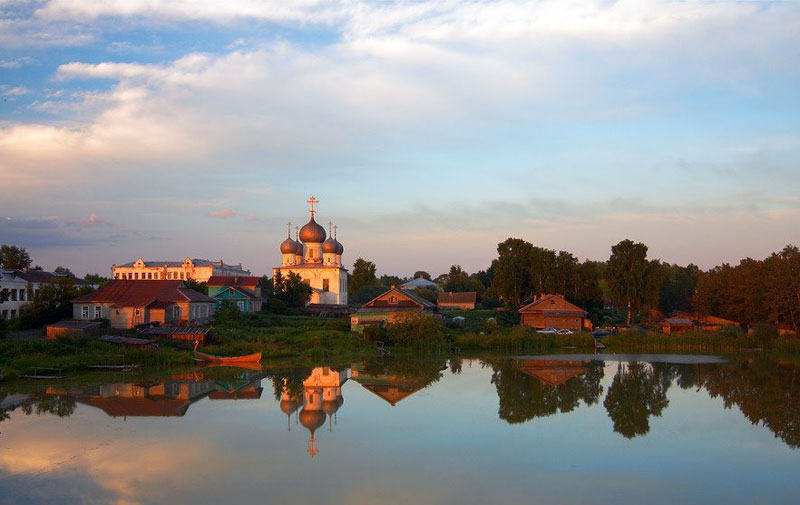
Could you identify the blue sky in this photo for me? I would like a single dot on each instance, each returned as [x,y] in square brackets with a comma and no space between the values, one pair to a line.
[429,131]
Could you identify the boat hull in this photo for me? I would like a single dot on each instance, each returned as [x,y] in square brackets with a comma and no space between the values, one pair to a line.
[210,358]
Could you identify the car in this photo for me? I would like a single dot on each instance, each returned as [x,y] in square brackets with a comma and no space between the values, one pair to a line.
[549,329]
[565,331]
[600,333]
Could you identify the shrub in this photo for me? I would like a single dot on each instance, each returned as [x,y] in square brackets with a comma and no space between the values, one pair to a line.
[765,334]
[416,330]
[276,305]
[374,333]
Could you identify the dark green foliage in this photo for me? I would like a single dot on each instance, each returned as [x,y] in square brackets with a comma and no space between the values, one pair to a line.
[765,334]
[13,257]
[97,279]
[428,293]
[265,283]
[363,275]
[51,304]
[200,287]
[292,290]
[374,333]
[275,305]
[229,315]
[636,393]
[366,294]
[421,273]
[678,288]
[626,274]
[522,338]
[417,330]
[62,270]
[388,281]
[459,281]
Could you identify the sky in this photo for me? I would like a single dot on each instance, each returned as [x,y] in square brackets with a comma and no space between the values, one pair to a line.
[428,130]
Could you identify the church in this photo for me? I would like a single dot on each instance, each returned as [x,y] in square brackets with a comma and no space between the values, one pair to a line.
[317,259]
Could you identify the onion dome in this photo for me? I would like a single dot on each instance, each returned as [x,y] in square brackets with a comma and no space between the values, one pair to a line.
[339,248]
[330,246]
[312,233]
[289,406]
[312,419]
[330,407]
[299,249]
[288,246]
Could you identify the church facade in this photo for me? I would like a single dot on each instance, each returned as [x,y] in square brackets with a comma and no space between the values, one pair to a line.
[317,259]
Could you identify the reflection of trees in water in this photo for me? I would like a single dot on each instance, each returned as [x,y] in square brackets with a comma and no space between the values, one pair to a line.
[766,391]
[523,397]
[455,365]
[39,403]
[419,372]
[290,379]
[638,391]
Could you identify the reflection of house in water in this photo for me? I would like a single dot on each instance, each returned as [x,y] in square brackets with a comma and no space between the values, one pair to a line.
[321,398]
[246,386]
[171,397]
[389,388]
[552,372]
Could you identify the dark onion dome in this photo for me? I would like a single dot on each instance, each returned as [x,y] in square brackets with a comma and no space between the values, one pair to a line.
[312,233]
[299,248]
[289,406]
[339,247]
[288,246]
[312,419]
[330,407]
[330,246]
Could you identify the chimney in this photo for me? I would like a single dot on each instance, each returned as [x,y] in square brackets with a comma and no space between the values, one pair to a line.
[391,286]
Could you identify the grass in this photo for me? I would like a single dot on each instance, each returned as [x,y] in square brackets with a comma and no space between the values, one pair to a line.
[522,338]
[720,341]
[18,356]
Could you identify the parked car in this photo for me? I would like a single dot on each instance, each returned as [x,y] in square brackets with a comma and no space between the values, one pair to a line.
[600,333]
[549,329]
[565,331]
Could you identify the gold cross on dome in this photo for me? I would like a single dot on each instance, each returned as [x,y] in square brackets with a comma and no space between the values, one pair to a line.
[312,201]
[330,227]
[289,229]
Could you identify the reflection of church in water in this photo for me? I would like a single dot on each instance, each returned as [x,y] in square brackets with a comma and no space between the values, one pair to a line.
[318,402]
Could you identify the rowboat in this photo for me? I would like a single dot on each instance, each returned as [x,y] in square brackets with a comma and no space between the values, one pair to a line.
[212,358]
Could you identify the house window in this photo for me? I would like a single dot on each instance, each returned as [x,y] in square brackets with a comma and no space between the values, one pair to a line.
[13,295]
[230,292]
[393,300]
[84,312]
[13,313]
[22,295]
[325,285]
[241,305]
[98,311]
[176,313]
[5,314]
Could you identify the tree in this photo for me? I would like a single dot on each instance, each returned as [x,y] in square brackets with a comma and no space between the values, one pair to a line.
[62,270]
[200,287]
[293,291]
[512,273]
[627,267]
[97,279]
[390,280]
[265,283]
[13,257]
[678,288]
[422,274]
[363,275]
[457,280]
[636,393]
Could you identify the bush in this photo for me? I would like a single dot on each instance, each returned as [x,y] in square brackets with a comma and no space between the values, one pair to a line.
[416,330]
[276,305]
[765,334]
[374,333]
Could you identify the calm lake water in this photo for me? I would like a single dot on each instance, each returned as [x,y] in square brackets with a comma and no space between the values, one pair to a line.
[546,430]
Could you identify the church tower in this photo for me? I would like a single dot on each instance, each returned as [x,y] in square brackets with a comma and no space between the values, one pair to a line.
[316,256]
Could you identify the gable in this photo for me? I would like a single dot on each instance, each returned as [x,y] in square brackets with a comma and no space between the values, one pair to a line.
[552,303]
[394,298]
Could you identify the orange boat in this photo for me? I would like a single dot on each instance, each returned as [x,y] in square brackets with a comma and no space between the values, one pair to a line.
[211,358]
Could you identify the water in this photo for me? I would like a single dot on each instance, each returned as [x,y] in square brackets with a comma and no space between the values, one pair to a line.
[556,430]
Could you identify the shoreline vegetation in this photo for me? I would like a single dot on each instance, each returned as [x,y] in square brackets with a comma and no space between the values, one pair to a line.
[304,337]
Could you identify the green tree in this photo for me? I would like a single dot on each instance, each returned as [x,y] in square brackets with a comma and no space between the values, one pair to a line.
[422,274]
[626,272]
[97,279]
[62,270]
[512,272]
[200,287]
[13,257]
[265,283]
[636,393]
[678,288]
[457,280]
[363,275]
[293,291]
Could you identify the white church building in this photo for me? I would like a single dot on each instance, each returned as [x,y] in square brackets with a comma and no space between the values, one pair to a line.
[317,259]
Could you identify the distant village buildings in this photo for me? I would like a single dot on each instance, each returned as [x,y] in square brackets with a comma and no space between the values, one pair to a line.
[128,303]
[462,301]
[389,307]
[317,259]
[244,292]
[199,270]
[19,287]
[553,311]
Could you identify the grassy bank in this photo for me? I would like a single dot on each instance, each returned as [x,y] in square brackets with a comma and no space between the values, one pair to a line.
[18,356]
[707,342]
[521,338]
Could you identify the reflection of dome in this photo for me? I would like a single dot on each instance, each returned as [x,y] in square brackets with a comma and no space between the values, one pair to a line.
[330,407]
[312,419]
[288,246]
[330,246]
[289,406]
[312,233]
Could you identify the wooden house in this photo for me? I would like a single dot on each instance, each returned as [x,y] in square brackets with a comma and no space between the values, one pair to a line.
[127,304]
[244,292]
[70,328]
[553,311]
[552,372]
[461,301]
[678,325]
[389,307]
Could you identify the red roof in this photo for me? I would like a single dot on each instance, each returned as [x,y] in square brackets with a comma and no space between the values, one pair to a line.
[233,281]
[451,297]
[129,293]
